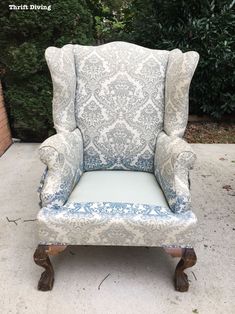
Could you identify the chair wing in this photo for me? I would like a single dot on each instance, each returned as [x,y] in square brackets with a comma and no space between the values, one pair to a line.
[180,70]
[62,68]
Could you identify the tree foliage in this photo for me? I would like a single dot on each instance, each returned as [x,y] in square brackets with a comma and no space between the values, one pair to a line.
[23,39]
[206,26]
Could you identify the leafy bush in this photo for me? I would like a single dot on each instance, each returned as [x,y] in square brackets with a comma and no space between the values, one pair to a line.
[109,19]
[206,26]
[201,25]
[24,37]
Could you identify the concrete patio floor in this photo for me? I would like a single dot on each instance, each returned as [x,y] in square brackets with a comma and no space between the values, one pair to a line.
[140,279]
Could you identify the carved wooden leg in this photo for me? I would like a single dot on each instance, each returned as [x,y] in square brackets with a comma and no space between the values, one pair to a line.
[41,258]
[188,259]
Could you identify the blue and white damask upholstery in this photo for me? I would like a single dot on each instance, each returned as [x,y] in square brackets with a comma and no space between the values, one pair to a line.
[113,207]
[173,160]
[117,171]
[119,104]
[63,74]
[63,155]
[180,70]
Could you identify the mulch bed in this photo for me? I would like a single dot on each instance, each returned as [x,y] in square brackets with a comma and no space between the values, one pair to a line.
[210,132]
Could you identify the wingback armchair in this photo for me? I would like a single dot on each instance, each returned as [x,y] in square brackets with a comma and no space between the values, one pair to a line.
[117,171]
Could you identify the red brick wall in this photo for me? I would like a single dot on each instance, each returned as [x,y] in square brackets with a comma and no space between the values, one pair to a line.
[5,133]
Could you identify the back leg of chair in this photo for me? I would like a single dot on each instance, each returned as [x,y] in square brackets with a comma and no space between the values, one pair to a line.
[188,259]
[41,258]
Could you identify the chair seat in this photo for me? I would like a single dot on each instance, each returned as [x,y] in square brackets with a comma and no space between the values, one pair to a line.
[116,208]
[118,186]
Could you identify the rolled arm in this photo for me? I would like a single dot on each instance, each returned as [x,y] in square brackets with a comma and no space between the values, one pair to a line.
[63,155]
[173,159]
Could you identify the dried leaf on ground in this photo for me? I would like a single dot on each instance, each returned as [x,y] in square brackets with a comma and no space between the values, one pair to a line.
[227,187]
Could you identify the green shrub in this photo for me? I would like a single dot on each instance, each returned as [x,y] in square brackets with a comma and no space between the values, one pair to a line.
[206,26]
[24,37]
[201,25]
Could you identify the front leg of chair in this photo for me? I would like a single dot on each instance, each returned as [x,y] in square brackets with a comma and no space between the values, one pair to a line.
[41,258]
[188,259]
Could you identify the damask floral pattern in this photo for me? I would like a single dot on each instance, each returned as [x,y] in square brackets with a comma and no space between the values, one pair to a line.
[173,159]
[113,107]
[180,70]
[61,65]
[119,104]
[107,223]
[63,155]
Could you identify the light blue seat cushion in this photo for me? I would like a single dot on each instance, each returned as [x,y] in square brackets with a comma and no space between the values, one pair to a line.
[116,208]
[119,187]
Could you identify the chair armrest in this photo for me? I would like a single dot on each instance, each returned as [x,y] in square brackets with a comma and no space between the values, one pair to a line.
[63,155]
[173,159]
